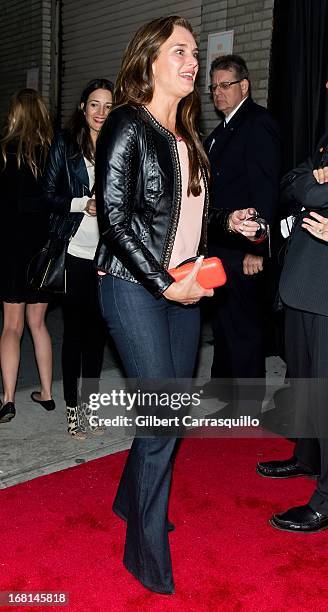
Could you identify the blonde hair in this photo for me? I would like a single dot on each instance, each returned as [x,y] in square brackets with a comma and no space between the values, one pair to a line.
[28,125]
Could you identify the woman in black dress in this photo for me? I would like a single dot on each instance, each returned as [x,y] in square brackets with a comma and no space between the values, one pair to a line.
[24,148]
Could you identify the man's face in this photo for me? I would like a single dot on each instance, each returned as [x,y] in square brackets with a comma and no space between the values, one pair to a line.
[226,100]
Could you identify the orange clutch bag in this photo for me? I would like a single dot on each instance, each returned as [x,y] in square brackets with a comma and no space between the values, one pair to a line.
[210,275]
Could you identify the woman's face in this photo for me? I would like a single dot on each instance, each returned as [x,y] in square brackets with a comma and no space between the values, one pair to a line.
[97,108]
[176,67]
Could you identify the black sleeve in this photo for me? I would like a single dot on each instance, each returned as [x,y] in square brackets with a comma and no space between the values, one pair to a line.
[263,163]
[117,169]
[218,220]
[299,185]
[55,172]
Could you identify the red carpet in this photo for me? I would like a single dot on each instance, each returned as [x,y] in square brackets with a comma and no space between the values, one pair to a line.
[58,534]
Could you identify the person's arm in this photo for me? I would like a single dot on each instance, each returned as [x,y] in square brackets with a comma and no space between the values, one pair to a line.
[300,185]
[263,166]
[117,169]
[225,222]
[54,175]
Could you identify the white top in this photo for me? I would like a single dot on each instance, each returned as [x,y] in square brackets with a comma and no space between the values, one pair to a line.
[85,241]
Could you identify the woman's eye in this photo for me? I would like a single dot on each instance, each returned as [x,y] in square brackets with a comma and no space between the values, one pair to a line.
[180,51]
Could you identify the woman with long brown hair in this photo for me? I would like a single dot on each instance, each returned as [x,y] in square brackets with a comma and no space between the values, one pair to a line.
[152,206]
[68,190]
[24,148]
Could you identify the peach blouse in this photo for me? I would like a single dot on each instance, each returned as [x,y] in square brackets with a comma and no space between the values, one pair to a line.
[191,213]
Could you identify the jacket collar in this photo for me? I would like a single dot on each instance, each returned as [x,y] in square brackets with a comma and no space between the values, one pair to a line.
[80,171]
[239,116]
[220,137]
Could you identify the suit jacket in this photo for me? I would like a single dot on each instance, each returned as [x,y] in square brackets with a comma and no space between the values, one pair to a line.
[304,278]
[245,159]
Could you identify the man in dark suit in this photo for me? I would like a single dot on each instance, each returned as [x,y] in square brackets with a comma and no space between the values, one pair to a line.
[304,290]
[244,154]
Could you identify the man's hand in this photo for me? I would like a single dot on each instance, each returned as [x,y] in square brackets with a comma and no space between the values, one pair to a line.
[321,175]
[252,264]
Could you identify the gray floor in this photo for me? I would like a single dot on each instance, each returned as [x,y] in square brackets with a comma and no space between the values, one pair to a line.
[36,442]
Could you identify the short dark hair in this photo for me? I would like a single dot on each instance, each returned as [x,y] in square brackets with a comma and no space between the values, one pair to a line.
[230,62]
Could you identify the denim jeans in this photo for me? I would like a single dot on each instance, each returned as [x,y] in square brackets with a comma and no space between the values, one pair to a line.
[156,339]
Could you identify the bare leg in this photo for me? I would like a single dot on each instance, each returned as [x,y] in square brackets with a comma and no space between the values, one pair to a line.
[13,325]
[35,317]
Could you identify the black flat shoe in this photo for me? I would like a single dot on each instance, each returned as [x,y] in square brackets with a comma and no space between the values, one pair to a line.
[7,412]
[300,519]
[46,404]
[289,468]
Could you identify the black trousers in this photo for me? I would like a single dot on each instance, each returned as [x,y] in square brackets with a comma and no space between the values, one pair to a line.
[306,337]
[84,331]
[239,333]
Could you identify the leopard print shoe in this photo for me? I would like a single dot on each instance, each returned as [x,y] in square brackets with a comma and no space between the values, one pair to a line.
[94,428]
[75,425]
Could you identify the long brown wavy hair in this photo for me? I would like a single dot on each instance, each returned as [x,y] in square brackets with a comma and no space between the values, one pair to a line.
[135,85]
[29,128]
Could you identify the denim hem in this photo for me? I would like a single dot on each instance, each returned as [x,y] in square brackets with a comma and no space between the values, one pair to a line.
[156,589]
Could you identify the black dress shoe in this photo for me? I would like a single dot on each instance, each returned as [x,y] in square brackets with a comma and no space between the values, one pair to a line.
[46,404]
[289,468]
[301,519]
[7,412]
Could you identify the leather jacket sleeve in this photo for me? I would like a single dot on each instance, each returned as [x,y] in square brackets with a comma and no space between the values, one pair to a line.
[55,173]
[118,171]
[218,219]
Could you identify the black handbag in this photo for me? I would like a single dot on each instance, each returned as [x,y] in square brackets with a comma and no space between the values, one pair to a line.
[46,270]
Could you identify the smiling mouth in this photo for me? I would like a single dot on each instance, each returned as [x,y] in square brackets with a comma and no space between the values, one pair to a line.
[188,75]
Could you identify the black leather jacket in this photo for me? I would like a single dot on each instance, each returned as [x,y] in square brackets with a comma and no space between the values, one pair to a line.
[65,177]
[138,195]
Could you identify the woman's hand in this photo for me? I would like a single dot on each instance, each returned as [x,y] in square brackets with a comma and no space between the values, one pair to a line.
[238,222]
[90,208]
[317,226]
[321,175]
[188,291]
